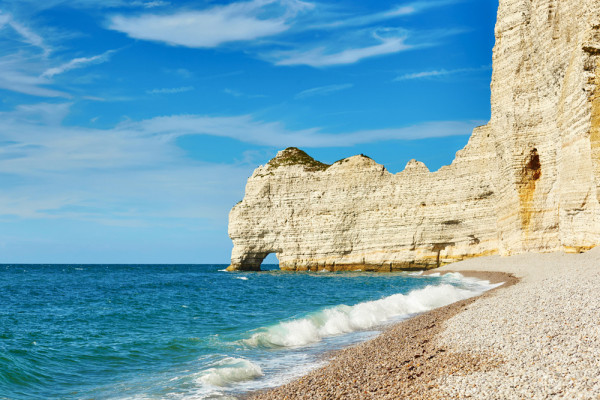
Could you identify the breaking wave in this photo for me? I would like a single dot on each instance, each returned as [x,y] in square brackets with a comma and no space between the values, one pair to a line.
[230,370]
[346,319]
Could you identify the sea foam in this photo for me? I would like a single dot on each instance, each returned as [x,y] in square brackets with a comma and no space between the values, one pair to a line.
[343,319]
[230,370]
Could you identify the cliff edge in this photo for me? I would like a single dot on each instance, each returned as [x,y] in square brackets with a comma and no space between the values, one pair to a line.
[528,181]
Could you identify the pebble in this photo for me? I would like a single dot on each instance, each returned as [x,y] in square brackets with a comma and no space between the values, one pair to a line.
[535,339]
[546,329]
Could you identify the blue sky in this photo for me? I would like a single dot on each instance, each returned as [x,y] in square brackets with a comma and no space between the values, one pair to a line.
[128,128]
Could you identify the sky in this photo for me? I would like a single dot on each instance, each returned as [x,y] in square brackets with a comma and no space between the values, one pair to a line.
[128,128]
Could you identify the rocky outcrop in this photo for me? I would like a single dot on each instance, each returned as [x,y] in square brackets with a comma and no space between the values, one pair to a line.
[527,181]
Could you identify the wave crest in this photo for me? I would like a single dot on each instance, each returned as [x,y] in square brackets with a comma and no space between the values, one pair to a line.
[345,319]
[230,370]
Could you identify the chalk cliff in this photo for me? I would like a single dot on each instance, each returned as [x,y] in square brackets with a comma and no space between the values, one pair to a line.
[529,180]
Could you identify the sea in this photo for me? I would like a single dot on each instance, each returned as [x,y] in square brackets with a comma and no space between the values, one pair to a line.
[191,331]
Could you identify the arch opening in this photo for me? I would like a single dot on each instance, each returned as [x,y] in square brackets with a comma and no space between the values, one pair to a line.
[270,262]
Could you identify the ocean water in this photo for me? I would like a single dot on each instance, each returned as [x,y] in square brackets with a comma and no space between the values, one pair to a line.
[190,331]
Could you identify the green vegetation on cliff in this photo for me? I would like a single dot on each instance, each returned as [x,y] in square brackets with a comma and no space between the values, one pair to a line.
[295,156]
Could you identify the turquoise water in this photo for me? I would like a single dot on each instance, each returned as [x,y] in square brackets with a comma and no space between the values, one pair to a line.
[189,331]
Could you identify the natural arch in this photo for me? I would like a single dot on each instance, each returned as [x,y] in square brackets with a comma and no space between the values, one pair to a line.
[251,261]
[270,260]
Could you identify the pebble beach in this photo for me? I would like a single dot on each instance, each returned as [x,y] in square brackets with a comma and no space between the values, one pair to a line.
[535,337]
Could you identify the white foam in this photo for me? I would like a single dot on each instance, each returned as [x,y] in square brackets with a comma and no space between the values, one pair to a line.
[345,319]
[243,278]
[228,371]
[469,282]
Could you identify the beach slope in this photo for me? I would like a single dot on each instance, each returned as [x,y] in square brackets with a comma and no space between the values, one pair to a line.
[537,336]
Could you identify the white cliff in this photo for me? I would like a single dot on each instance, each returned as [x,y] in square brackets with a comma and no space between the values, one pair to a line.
[527,181]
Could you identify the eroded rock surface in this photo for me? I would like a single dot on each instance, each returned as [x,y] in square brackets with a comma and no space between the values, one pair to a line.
[527,181]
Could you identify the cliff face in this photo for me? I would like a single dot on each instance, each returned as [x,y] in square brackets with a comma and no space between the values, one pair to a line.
[527,181]
[544,97]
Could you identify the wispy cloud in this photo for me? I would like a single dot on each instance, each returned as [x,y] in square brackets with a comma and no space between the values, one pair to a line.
[394,12]
[149,4]
[14,80]
[222,75]
[107,175]
[27,35]
[77,63]
[20,72]
[323,90]
[237,93]
[232,92]
[439,73]
[171,90]
[50,114]
[132,143]
[212,27]
[35,6]
[246,128]
[257,22]
[324,57]
[180,72]
[29,70]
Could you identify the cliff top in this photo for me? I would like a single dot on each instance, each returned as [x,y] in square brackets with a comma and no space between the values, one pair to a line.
[295,156]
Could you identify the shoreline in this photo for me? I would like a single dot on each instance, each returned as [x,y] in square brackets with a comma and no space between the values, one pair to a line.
[401,361]
[536,336]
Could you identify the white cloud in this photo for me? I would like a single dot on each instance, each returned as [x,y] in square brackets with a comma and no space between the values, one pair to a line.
[233,92]
[35,6]
[365,19]
[149,4]
[392,13]
[16,81]
[181,72]
[247,129]
[20,73]
[237,93]
[28,71]
[257,20]
[170,90]
[423,74]
[77,63]
[438,73]
[322,57]
[323,90]
[3,20]
[106,175]
[96,98]
[109,175]
[211,27]
[26,34]
[49,114]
